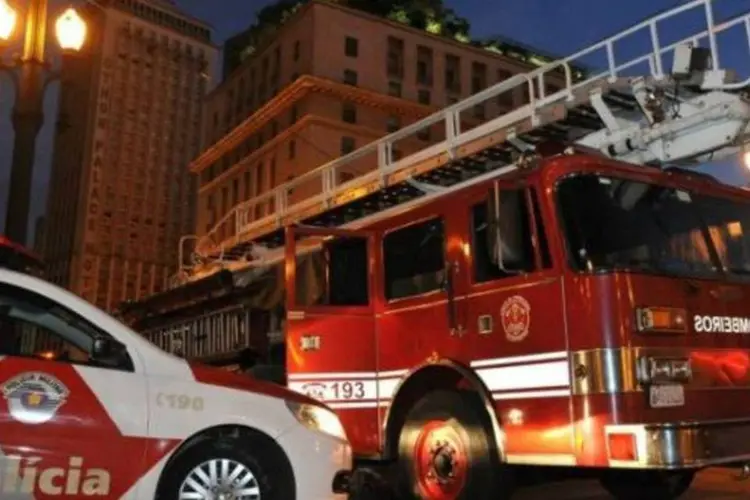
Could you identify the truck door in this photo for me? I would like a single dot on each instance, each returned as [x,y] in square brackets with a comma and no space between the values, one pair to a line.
[330,325]
[517,322]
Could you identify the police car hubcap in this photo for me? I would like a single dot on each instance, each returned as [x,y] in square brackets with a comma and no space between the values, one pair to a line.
[220,479]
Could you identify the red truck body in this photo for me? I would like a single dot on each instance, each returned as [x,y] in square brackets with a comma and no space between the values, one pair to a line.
[613,366]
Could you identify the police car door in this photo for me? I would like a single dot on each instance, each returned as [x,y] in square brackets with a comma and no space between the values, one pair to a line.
[70,423]
[331,327]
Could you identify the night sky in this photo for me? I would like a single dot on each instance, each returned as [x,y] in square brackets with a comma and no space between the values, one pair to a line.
[555,26]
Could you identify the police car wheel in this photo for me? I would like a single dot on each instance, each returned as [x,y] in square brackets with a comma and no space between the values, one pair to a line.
[447,451]
[229,468]
[647,485]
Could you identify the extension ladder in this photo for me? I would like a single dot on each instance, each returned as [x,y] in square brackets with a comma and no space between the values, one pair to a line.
[660,119]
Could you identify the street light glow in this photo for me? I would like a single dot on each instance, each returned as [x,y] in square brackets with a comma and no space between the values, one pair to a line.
[8,18]
[746,158]
[70,30]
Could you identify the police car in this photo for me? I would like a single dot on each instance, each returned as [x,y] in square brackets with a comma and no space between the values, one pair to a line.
[91,409]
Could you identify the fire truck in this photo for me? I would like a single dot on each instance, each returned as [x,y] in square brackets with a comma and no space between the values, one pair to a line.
[558,286]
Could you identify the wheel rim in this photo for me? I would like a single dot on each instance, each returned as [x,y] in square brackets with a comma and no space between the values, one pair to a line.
[441,461]
[220,479]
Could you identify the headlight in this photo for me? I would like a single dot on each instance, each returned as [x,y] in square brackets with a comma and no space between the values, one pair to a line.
[317,418]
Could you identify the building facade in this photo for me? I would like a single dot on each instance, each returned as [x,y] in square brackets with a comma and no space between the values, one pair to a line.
[130,122]
[332,79]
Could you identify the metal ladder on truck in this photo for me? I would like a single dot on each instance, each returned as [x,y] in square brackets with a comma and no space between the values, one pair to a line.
[695,113]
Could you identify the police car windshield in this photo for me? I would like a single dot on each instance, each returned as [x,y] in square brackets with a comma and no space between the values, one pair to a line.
[619,224]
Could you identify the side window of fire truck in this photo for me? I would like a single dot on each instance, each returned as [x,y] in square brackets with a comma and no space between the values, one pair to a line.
[503,236]
[348,272]
[34,326]
[414,259]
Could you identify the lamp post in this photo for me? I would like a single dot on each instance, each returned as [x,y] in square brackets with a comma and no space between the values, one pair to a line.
[31,74]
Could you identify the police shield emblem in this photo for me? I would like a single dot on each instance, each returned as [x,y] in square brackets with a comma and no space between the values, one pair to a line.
[34,397]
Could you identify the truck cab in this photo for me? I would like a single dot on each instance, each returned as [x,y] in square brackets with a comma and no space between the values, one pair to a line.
[584,312]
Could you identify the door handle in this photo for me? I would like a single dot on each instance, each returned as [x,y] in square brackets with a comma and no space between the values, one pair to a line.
[309,343]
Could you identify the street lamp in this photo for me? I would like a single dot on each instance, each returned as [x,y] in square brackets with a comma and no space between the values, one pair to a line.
[31,74]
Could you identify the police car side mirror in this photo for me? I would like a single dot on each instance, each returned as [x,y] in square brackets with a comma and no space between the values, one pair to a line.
[106,348]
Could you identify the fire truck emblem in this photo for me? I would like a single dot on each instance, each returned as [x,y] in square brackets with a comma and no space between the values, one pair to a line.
[34,398]
[516,318]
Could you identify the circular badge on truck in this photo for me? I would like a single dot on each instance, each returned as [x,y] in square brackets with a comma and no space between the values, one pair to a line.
[516,318]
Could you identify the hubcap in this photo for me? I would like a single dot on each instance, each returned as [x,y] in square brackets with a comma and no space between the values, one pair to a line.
[220,479]
[440,461]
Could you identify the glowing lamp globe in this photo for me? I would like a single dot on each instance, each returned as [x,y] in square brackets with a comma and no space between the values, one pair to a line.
[746,159]
[70,30]
[8,18]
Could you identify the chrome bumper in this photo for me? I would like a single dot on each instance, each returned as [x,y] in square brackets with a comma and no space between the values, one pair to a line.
[687,445]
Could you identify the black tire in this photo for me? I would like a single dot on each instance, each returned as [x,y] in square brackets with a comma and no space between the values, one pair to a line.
[463,426]
[264,458]
[647,485]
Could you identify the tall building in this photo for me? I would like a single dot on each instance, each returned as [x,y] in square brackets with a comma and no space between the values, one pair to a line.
[330,80]
[121,195]
[40,231]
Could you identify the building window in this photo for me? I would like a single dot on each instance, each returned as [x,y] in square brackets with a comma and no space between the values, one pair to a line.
[348,112]
[424,97]
[424,65]
[479,112]
[504,100]
[551,89]
[351,47]
[347,145]
[395,58]
[414,259]
[394,89]
[453,73]
[424,134]
[393,123]
[292,149]
[478,77]
[296,50]
[350,77]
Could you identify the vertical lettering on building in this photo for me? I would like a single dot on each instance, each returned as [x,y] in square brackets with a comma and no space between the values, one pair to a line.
[90,268]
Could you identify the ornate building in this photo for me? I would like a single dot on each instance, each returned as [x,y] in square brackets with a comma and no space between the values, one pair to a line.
[121,195]
[330,80]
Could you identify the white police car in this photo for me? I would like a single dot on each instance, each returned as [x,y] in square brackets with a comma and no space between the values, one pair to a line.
[91,409]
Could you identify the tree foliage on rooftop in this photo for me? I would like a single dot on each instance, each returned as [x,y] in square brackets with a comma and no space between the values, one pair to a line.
[429,15]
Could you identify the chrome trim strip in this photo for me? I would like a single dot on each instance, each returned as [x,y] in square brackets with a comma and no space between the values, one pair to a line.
[613,371]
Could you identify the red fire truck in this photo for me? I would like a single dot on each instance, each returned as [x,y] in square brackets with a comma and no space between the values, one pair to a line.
[555,287]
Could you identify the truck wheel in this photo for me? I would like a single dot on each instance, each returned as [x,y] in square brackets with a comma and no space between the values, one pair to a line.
[447,451]
[647,485]
[241,468]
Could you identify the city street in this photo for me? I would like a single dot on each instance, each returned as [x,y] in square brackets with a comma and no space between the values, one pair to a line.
[714,484]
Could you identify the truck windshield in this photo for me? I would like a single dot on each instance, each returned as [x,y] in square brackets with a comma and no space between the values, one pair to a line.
[619,224]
